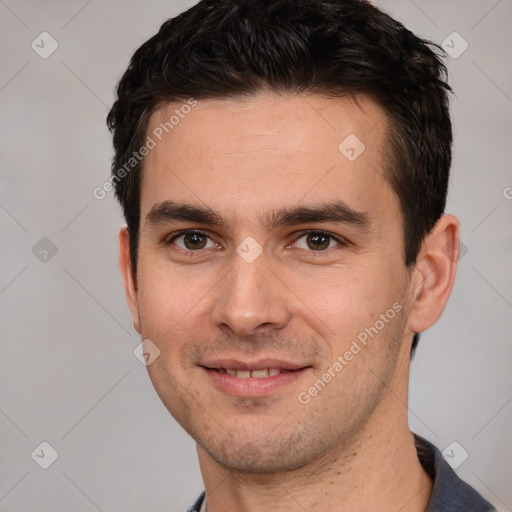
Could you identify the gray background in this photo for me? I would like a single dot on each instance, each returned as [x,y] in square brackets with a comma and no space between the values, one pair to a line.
[67,369]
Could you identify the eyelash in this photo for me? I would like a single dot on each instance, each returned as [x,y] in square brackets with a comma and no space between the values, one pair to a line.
[339,240]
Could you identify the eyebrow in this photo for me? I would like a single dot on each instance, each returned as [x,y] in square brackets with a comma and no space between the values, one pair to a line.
[337,212]
[169,211]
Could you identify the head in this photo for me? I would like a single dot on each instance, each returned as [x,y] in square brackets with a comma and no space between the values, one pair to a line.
[305,146]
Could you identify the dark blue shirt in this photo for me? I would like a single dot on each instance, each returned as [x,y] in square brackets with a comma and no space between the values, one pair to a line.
[449,492]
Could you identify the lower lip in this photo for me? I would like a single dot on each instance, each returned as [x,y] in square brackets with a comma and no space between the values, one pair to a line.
[252,387]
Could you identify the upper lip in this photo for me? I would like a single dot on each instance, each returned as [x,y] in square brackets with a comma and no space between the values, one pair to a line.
[259,364]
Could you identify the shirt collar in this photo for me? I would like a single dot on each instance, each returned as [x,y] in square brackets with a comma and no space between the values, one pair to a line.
[449,492]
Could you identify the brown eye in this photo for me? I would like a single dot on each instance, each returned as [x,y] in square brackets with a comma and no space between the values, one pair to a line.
[316,241]
[193,241]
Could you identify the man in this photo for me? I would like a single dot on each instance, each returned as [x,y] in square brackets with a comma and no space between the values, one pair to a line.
[283,169]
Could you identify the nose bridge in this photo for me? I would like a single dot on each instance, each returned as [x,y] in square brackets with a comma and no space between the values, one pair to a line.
[250,296]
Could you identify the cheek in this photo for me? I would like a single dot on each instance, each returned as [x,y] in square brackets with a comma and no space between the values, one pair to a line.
[168,292]
[341,304]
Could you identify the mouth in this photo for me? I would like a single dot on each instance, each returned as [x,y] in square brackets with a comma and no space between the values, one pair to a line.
[251,374]
[257,379]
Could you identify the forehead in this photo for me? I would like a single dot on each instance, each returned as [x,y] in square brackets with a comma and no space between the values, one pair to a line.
[265,150]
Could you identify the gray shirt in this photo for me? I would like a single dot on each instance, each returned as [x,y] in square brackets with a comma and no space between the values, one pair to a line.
[449,492]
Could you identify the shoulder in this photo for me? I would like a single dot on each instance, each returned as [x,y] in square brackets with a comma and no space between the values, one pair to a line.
[449,493]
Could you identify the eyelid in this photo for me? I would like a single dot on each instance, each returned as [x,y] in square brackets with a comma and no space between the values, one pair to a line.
[172,236]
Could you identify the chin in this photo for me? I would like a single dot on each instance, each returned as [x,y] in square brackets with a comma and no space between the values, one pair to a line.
[251,459]
[263,453]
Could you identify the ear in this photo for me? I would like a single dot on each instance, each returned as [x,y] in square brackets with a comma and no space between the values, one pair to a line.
[125,265]
[434,273]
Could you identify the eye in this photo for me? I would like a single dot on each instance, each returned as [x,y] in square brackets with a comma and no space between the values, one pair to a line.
[192,241]
[317,241]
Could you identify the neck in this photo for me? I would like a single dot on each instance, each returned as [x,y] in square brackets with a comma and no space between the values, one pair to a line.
[377,469]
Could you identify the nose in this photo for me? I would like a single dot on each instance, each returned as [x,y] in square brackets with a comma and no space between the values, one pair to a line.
[251,299]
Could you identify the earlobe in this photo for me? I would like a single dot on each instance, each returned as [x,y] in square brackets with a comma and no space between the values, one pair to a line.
[434,273]
[125,266]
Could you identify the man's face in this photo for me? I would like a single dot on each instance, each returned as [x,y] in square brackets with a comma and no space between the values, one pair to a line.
[298,252]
